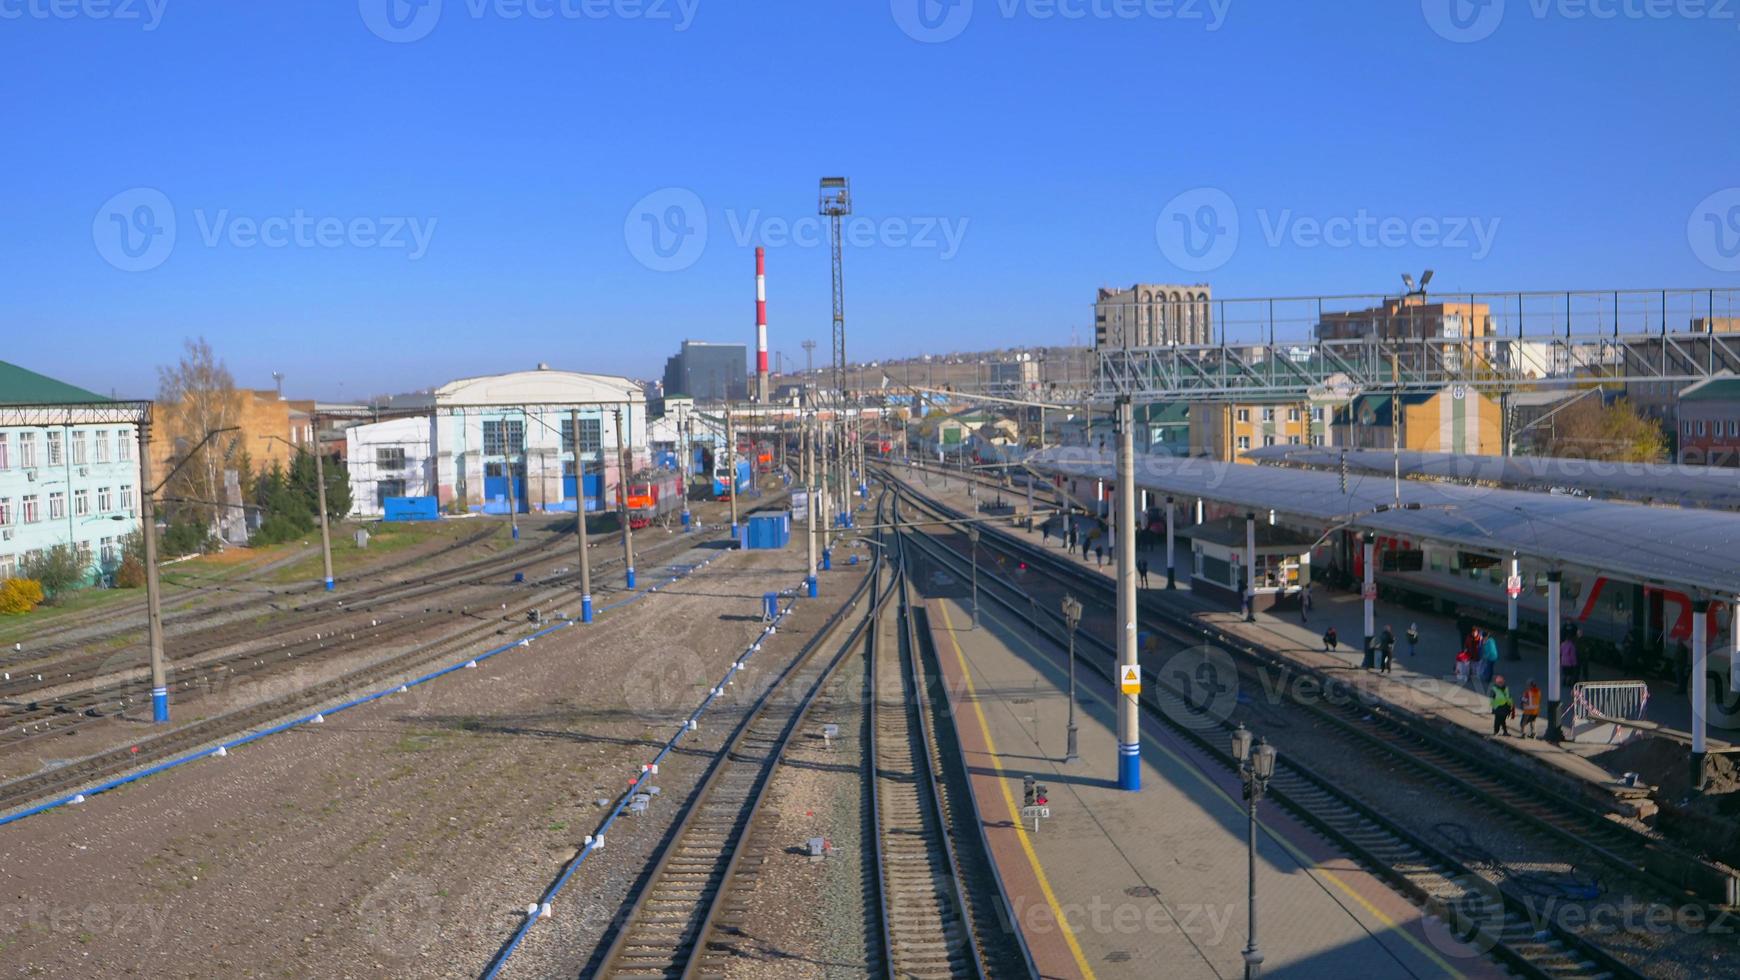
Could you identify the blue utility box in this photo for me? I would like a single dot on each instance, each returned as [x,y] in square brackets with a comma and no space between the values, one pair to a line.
[411,509]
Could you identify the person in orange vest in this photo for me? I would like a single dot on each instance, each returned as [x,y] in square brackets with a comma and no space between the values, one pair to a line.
[1531,708]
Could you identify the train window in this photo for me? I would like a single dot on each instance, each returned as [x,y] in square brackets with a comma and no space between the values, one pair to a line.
[1570,588]
[1493,576]
[1437,560]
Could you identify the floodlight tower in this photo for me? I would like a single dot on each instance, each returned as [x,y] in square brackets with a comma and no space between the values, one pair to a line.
[835,204]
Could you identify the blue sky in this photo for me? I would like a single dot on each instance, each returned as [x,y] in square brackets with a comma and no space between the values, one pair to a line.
[478,188]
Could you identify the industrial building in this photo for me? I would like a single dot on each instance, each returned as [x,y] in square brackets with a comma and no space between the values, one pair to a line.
[708,372]
[1709,414]
[74,485]
[462,444]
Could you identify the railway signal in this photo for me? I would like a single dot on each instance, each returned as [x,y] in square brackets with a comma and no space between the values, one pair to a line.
[1036,801]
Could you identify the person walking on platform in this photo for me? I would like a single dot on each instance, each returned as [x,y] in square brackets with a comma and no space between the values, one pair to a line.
[1330,640]
[1413,639]
[1531,708]
[1305,605]
[1388,646]
[1045,535]
[1142,571]
[1464,667]
[1569,670]
[1488,658]
[1501,707]
[1100,554]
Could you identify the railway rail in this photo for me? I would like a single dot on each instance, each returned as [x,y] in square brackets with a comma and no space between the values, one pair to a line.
[1491,917]
[683,896]
[91,769]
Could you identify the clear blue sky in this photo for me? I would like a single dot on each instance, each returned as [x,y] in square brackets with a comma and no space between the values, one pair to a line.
[1050,145]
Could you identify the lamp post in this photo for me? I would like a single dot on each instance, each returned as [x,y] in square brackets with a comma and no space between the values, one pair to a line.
[1071,617]
[1256,765]
[973,542]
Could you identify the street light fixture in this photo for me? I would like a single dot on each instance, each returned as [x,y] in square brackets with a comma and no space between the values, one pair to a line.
[1256,766]
[1071,617]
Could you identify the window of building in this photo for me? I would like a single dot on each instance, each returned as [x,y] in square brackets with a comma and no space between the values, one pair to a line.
[127,498]
[5,511]
[27,449]
[1268,440]
[80,454]
[1268,415]
[1292,415]
[27,509]
[388,488]
[56,505]
[123,444]
[105,500]
[1292,440]
[390,458]
[1244,415]
[1700,427]
[1686,427]
[1316,440]
[1244,442]
[81,503]
[107,550]
[1317,414]
[591,436]
[102,446]
[84,552]
[5,452]
[1734,427]
[8,567]
[54,447]
[502,437]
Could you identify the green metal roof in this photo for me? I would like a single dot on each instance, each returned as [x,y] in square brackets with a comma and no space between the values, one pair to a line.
[21,387]
[1713,389]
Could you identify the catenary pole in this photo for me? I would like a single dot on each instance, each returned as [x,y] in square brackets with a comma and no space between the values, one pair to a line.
[580,518]
[625,462]
[1129,721]
[153,603]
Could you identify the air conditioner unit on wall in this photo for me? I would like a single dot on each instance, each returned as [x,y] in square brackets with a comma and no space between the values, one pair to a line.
[84,471]
[30,475]
[5,535]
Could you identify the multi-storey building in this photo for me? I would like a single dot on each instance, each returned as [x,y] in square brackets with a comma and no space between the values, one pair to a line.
[1457,419]
[1152,315]
[1710,344]
[708,372]
[1709,414]
[1225,430]
[74,485]
[479,430]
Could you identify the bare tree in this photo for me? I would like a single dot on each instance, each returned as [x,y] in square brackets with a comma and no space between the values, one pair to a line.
[198,396]
[1616,432]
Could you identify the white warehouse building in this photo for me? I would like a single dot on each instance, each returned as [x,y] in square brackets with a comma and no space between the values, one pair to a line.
[478,430]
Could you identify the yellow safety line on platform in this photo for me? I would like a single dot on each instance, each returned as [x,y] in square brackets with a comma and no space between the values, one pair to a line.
[1009,801]
[1304,859]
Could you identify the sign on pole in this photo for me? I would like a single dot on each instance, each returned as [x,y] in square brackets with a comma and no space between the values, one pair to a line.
[1368,592]
[1130,679]
[1513,586]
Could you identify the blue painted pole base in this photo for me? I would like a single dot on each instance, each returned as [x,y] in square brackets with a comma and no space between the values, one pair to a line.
[686,527]
[810,586]
[1130,767]
[631,578]
[160,704]
[586,609]
[329,585]
[827,560]
[516,532]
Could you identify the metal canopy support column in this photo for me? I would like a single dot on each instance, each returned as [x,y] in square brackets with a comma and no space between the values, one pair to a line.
[325,529]
[580,518]
[1171,545]
[1250,566]
[1555,674]
[812,506]
[1700,690]
[1510,635]
[1129,722]
[1368,592]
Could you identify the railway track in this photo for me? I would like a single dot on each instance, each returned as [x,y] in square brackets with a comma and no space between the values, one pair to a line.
[683,900]
[1496,921]
[103,765]
[927,930]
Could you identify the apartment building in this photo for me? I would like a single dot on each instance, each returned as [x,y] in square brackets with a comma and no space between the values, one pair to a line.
[1226,430]
[1709,422]
[1153,315]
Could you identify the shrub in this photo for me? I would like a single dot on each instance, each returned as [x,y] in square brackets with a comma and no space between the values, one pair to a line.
[184,538]
[19,595]
[56,570]
[130,574]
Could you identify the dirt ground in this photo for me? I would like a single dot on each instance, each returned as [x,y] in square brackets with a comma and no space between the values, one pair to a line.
[399,839]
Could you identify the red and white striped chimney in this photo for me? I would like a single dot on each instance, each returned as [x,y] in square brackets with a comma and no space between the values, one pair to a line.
[761,325]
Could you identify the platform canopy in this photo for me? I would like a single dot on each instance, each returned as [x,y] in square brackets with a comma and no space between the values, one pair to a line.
[1696,550]
[1660,483]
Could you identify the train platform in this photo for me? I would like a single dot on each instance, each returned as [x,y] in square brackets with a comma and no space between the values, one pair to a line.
[1421,683]
[1153,883]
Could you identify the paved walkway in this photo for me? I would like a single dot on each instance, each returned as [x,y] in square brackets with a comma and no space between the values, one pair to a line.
[1153,884]
[1422,683]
